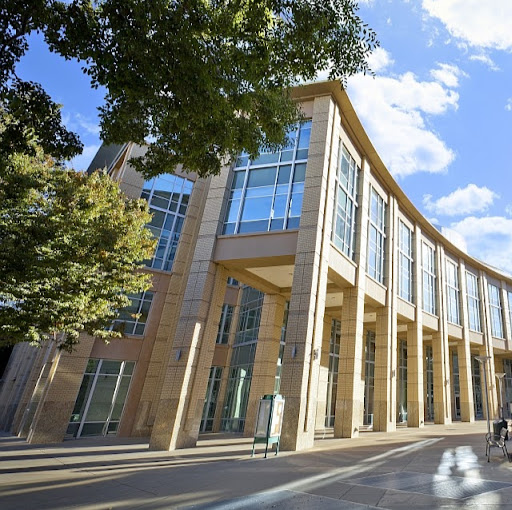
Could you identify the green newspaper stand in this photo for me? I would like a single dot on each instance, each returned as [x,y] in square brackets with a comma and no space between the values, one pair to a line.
[269,422]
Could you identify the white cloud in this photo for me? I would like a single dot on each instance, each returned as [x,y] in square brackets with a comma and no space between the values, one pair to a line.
[82,161]
[508,106]
[395,112]
[485,59]
[488,239]
[480,23]
[448,74]
[379,60]
[468,200]
[81,124]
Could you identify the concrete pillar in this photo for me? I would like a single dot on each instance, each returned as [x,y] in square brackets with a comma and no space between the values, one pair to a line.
[265,359]
[487,348]
[467,408]
[191,333]
[440,350]
[59,394]
[162,347]
[415,389]
[301,359]
[350,397]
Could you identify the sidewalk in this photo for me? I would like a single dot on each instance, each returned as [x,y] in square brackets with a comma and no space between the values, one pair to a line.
[434,467]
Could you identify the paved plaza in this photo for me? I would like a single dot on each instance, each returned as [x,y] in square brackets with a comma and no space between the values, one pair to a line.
[437,466]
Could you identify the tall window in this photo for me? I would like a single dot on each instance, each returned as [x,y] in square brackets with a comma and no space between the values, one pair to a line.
[376,236]
[168,197]
[345,210]
[132,319]
[473,302]
[429,278]
[332,377]
[369,378]
[101,398]
[282,343]
[266,194]
[510,307]
[242,361]
[225,324]
[452,291]
[495,308]
[405,262]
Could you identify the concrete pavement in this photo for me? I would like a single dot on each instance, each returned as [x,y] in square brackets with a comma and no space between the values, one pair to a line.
[434,467]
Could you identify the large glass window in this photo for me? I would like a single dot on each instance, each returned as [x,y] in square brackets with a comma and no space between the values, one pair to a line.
[401,410]
[495,309]
[225,324]
[101,398]
[405,261]
[376,236]
[168,197]
[266,194]
[510,307]
[429,278]
[332,381]
[242,361]
[369,378]
[429,383]
[477,388]
[282,343]
[473,302]
[452,291]
[210,401]
[346,205]
[132,319]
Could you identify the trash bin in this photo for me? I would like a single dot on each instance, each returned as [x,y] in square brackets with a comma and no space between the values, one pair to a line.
[497,425]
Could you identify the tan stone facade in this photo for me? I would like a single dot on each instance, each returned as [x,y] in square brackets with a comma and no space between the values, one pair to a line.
[368,318]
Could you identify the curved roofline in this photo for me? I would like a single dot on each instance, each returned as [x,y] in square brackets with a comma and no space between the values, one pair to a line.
[364,145]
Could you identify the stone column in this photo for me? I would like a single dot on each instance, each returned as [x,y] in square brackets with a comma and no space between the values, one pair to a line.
[350,396]
[186,368]
[265,359]
[487,348]
[467,408]
[415,389]
[162,347]
[51,418]
[301,359]
[440,351]
[384,405]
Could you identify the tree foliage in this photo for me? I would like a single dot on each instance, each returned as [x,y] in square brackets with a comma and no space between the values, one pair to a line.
[202,80]
[68,247]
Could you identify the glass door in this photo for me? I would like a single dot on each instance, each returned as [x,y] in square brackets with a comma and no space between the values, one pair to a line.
[210,401]
[101,398]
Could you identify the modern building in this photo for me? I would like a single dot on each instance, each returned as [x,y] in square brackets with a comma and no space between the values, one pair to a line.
[306,272]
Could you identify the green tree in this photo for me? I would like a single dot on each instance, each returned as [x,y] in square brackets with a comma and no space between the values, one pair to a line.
[69,244]
[201,80]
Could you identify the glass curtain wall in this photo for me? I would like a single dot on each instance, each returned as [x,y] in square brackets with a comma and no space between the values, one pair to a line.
[402,383]
[495,309]
[429,384]
[332,380]
[242,361]
[473,302]
[429,279]
[132,319]
[369,378]
[456,385]
[452,290]
[168,196]
[477,388]
[266,194]
[210,401]
[376,236]
[405,262]
[282,343]
[225,324]
[101,398]
[347,177]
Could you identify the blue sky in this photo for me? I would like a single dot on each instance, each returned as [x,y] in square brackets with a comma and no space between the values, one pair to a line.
[439,110]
